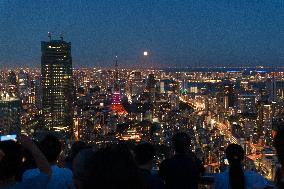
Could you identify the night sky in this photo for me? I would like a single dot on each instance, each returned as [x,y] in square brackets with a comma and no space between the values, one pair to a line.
[175,32]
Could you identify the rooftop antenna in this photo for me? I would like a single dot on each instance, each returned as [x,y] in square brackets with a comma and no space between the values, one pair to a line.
[116,67]
[49,35]
[61,36]
[116,85]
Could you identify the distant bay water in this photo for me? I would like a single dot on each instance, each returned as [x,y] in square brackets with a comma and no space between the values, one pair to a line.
[226,69]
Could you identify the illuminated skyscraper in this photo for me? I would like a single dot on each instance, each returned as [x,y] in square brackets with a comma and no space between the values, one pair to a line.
[10,109]
[271,89]
[57,86]
[229,95]
[137,85]
[246,103]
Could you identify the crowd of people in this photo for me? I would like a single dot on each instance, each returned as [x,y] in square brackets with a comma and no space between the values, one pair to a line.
[26,164]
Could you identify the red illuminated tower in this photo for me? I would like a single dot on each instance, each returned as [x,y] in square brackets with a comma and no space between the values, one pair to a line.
[116,98]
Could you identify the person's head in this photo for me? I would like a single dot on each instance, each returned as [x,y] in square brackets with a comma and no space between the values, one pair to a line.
[77,147]
[235,155]
[144,154]
[81,167]
[10,160]
[181,142]
[278,144]
[114,167]
[51,148]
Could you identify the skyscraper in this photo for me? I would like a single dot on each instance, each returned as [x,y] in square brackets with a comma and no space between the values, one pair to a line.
[246,103]
[271,89]
[57,86]
[229,95]
[10,109]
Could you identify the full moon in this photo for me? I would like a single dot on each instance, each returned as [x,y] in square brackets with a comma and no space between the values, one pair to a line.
[145,53]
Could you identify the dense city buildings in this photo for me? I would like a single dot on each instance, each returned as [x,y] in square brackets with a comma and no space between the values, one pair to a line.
[215,107]
[57,86]
[195,82]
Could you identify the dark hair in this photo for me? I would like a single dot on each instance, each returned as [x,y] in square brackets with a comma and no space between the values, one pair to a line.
[181,142]
[12,160]
[144,153]
[77,147]
[278,144]
[235,155]
[114,167]
[50,147]
[82,167]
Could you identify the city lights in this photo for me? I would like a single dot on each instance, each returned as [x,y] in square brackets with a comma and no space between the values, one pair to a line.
[102,106]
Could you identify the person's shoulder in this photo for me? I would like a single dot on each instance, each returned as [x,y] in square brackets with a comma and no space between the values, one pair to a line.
[251,174]
[221,180]
[64,171]
[255,179]
[221,175]
[30,173]
[37,182]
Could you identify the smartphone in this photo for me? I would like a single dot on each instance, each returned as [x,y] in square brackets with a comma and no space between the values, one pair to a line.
[8,137]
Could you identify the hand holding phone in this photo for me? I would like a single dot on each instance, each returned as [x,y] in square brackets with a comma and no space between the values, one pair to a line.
[8,137]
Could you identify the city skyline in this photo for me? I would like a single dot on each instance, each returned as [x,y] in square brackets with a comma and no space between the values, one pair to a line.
[175,33]
[190,77]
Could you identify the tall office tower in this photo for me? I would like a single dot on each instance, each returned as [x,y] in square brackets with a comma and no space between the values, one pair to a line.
[12,78]
[280,89]
[151,81]
[11,83]
[151,84]
[38,93]
[271,89]
[23,84]
[246,103]
[162,87]
[57,86]
[137,85]
[229,95]
[10,109]
[174,101]
[184,86]
[137,75]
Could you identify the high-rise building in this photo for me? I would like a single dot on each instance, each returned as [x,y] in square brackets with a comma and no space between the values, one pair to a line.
[57,86]
[229,95]
[10,109]
[151,81]
[12,78]
[271,89]
[137,85]
[162,87]
[174,101]
[280,89]
[246,103]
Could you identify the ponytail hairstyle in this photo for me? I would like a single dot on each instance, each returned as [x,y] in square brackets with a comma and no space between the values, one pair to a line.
[235,155]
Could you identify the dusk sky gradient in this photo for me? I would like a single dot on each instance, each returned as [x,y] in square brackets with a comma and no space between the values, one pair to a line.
[175,32]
